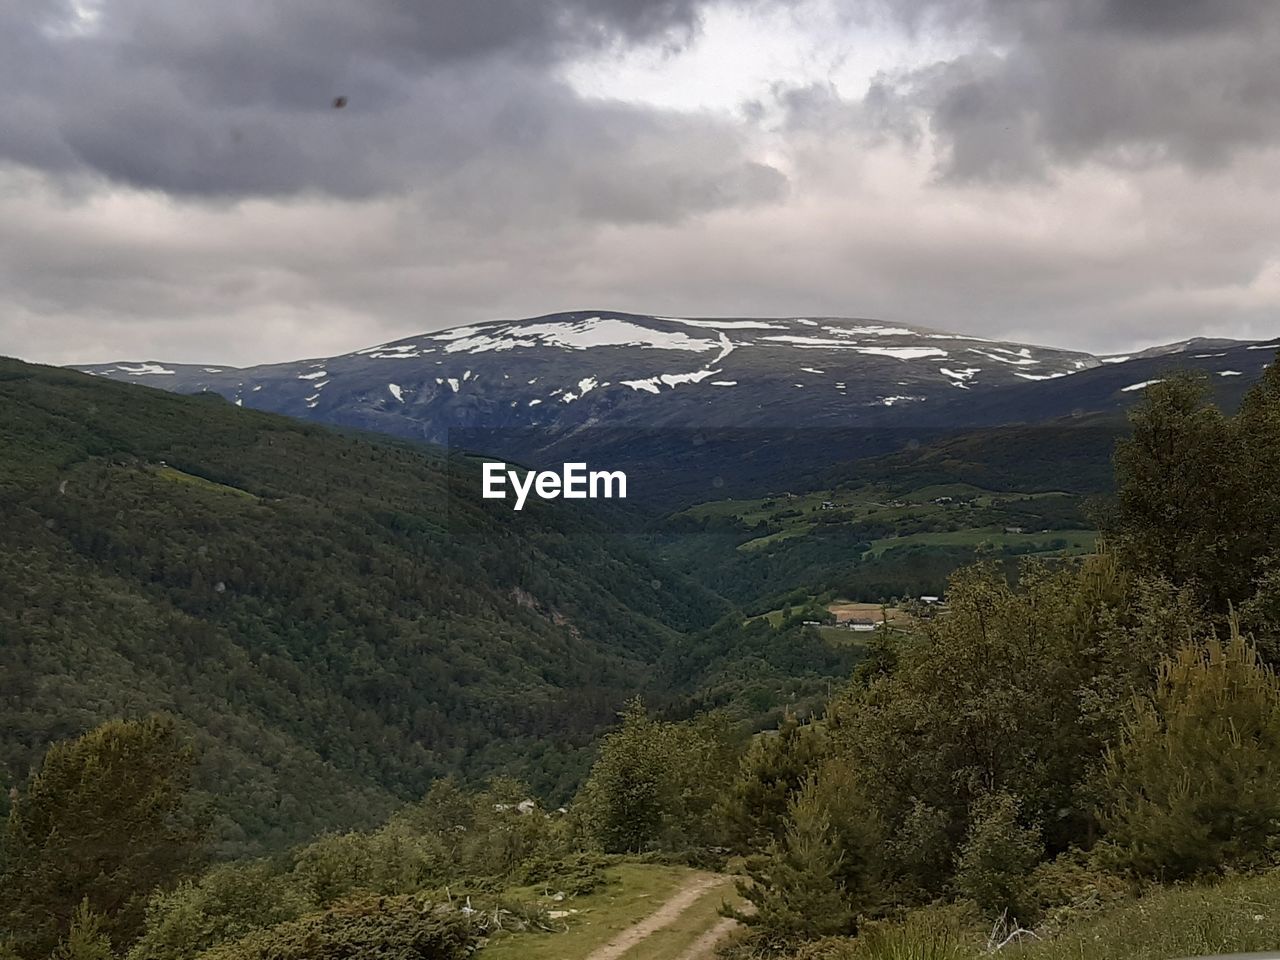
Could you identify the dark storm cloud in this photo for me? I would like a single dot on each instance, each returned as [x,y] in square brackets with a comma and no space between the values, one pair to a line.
[1128,82]
[234,99]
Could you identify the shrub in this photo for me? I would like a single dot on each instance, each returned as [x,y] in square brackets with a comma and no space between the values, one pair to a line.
[226,903]
[373,928]
[947,932]
[85,939]
[1189,789]
[997,857]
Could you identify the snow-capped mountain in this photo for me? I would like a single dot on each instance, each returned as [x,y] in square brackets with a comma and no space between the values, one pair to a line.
[555,375]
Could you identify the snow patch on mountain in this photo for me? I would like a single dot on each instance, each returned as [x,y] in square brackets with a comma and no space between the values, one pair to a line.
[570,335]
[145,370]
[649,384]
[725,324]
[800,341]
[1139,386]
[902,353]
[726,347]
[673,379]
[871,330]
[1017,360]
[960,377]
[654,384]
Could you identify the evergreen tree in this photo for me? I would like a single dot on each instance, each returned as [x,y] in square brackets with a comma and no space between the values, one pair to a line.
[796,889]
[1190,787]
[86,939]
[771,773]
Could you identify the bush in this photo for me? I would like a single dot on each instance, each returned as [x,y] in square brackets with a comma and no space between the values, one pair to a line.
[950,932]
[373,928]
[575,875]
[1189,789]
[997,858]
[86,939]
[228,902]
[1071,888]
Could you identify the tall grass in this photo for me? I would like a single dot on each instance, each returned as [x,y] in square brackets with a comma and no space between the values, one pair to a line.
[1237,915]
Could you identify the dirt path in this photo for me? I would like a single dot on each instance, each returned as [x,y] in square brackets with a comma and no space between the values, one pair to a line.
[666,914]
[704,948]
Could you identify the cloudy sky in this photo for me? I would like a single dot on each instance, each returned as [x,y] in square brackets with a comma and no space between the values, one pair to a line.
[175,182]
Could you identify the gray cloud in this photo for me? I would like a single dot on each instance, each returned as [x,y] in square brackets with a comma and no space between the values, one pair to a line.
[1128,82]
[174,183]
[233,99]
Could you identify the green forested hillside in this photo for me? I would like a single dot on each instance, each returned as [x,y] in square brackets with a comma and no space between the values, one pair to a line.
[334,627]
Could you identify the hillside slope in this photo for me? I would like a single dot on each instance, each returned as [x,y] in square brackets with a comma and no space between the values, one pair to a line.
[336,625]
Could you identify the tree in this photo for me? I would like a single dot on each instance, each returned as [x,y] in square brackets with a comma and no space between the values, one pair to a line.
[85,939]
[1198,493]
[630,791]
[771,772]
[656,784]
[1189,787]
[106,820]
[796,889]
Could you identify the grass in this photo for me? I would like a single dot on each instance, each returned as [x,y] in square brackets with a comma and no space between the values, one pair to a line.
[799,529]
[803,516]
[1076,540]
[635,890]
[858,610]
[1239,915]
[188,479]
[1235,916]
[840,637]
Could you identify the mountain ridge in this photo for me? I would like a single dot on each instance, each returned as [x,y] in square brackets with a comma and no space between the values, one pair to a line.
[618,388]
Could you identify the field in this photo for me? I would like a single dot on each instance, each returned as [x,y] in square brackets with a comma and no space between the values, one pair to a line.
[1041,542]
[953,514]
[844,610]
